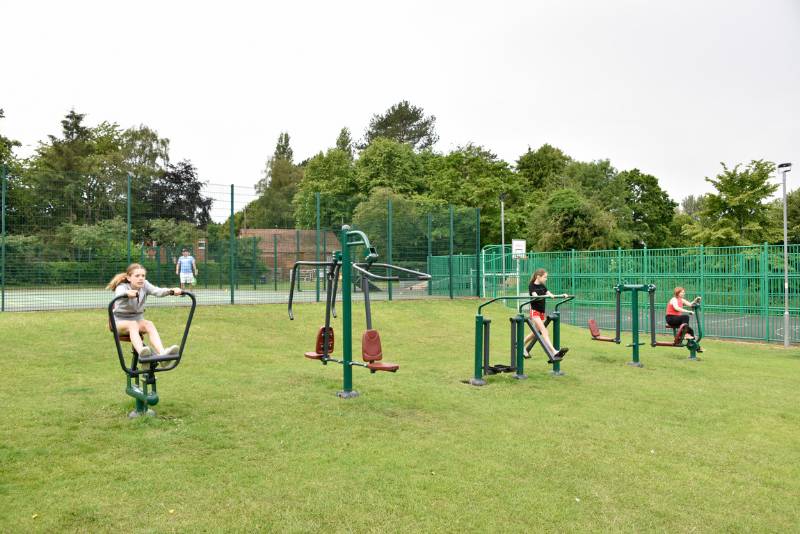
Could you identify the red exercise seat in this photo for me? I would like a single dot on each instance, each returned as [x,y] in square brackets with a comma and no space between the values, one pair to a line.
[372,353]
[595,331]
[319,350]
[371,346]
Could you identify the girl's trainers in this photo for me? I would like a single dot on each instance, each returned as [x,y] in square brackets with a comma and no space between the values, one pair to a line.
[146,352]
[172,349]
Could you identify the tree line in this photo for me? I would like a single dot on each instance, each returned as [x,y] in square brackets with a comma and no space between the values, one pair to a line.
[74,188]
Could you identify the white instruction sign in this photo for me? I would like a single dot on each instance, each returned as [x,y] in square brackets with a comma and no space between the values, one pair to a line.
[518,249]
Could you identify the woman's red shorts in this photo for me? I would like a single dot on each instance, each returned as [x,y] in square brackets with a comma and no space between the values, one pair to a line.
[536,313]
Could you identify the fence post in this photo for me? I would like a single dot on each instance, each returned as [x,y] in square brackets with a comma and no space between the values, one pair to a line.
[253,268]
[619,265]
[450,257]
[232,255]
[158,265]
[3,246]
[646,267]
[430,252]
[572,282]
[389,240]
[765,289]
[703,281]
[129,219]
[275,261]
[477,252]
[316,243]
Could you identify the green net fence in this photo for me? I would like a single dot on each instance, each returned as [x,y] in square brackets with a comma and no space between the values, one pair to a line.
[742,287]
[64,237]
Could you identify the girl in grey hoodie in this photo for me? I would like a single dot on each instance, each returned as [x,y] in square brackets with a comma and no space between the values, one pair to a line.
[129,314]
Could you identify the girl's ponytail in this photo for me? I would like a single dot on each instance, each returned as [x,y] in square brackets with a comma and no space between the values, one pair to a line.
[123,277]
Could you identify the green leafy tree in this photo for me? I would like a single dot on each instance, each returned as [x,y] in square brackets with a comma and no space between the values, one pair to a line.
[105,237]
[404,123]
[474,176]
[539,168]
[650,207]
[6,146]
[178,195]
[344,141]
[333,176]
[390,164]
[273,207]
[569,220]
[172,232]
[737,213]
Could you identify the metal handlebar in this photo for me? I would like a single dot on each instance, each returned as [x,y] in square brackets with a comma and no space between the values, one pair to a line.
[544,297]
[293,278]
[112,321]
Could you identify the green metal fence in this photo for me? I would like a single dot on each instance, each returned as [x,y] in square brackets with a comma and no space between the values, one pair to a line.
[64,237]
[742,287]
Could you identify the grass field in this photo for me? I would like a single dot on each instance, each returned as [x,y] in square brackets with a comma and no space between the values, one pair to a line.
[250,435]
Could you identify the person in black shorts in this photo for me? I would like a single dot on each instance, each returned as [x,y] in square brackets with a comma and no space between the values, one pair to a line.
[537,313]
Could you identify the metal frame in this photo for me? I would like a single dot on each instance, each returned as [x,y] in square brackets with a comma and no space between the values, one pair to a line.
[135,387]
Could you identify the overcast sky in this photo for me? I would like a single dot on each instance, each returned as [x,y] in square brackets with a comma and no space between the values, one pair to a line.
[671,87]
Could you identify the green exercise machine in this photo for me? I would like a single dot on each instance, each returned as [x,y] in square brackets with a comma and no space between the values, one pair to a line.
[141,373]
[482,364]
[341,262]
[679,334]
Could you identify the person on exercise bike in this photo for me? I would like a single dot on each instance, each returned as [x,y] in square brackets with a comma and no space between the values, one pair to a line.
[678,315]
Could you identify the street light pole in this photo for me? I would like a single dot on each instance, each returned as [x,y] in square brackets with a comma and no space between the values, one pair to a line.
[783,168]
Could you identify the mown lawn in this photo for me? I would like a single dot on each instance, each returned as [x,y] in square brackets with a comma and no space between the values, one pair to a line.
[250,435]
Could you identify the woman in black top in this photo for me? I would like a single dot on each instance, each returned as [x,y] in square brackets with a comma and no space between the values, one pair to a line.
[536,287]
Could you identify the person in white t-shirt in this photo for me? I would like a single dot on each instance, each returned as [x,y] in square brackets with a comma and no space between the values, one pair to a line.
[186,269]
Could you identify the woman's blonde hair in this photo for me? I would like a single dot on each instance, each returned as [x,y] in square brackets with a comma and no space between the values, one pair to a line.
[678,290]
[123,277]
[536,274]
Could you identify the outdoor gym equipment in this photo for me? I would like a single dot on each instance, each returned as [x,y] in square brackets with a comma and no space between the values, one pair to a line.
[619,289]
[142,381]
[678,334]
[341,262]
[552,317]
[517,359]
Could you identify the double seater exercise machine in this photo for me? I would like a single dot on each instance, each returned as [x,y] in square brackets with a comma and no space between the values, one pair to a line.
[679,334]
[516,365]
[142,380]
[340,262]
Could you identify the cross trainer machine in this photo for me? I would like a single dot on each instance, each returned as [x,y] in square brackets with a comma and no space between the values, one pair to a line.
[517,359]
[341,262]
[552,317]
[142,380]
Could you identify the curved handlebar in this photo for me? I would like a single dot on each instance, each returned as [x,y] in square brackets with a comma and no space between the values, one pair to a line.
[293,278]
[130,371]
[373,275]
[544,297]
[419,274]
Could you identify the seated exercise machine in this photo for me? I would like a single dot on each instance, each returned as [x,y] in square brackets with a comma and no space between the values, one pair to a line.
[678,334]
[516,365]
[634,289]
[142,380]
[341,262]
